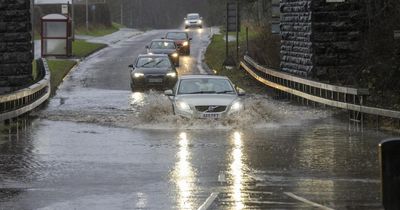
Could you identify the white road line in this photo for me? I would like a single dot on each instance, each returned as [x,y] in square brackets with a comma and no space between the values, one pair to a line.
[209,201]
[221,177]
[200,62]
[307,201]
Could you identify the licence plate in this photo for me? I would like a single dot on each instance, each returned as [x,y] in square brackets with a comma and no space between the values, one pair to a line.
[157,80]
[211,115]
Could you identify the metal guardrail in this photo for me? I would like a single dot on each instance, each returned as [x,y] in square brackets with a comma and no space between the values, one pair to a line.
[25,100]
[305,90]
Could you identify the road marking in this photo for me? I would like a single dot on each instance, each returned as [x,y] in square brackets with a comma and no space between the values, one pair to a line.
[307,201]
[221,177]
[209,201]
[200,62]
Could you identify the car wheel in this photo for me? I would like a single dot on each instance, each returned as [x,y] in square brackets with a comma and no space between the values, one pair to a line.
[186,27]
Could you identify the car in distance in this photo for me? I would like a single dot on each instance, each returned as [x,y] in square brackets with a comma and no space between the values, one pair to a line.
[205,96]
[164,46]
[153,71]
[193,20]
[181,39]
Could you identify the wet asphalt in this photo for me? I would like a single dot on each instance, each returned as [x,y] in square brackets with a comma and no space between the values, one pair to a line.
[97,145]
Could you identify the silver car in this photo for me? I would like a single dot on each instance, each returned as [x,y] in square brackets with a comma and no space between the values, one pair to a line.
[193,20]
[205,96]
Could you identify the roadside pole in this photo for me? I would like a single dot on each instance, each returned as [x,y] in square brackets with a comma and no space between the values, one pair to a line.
[87,15]
[237,31]
[73,19]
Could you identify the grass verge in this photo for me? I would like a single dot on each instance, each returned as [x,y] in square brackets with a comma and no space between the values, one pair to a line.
[81,48]
[214,58]
[59,69]
[98,30]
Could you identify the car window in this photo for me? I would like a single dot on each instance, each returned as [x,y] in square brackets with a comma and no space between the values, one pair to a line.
[193,17]
[205,85]
[162,45]
[176,36]
[153,62]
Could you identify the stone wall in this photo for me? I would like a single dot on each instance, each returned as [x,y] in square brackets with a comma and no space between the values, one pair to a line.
[15,44]
[296,30]
[320,39]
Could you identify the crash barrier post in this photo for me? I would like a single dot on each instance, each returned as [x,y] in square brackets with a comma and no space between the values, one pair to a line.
[389,155]
[25,100]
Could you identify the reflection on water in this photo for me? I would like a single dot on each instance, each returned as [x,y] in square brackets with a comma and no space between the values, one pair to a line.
[184,175]
[137,99]
[237,170]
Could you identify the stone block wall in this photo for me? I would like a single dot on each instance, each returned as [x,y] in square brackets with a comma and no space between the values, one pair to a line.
[296,31]
[15,44]
[320,39]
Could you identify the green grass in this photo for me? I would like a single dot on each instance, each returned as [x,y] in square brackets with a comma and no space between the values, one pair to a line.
[59,69]
[215,56]
[98,30]
[81,48]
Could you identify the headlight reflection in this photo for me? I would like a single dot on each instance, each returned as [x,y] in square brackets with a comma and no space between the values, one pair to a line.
[183,174]
[137,98]
[237,170]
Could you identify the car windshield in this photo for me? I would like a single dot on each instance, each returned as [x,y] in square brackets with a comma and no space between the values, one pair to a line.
[162,45]
[193,17]
[153,62]
[176,36]
[205,85]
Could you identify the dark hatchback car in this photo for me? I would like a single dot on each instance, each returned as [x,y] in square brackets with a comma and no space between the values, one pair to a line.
[164,46]
[153,71]
[181,39]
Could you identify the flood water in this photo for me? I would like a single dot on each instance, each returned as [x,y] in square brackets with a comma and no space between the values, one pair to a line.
[97,145]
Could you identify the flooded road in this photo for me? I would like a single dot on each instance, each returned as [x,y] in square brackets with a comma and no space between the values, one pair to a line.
[97,145]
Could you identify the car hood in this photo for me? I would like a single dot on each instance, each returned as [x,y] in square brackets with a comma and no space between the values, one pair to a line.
[208,99]
[179,41]
[152,70]
[162,51]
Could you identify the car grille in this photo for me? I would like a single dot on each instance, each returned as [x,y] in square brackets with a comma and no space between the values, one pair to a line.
[210,108]
[155,79]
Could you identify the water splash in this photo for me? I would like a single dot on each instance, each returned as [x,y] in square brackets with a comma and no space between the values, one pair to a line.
[153,110]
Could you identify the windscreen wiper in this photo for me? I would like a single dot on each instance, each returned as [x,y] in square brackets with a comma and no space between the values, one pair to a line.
[226,91]
[147,63]
[201,92]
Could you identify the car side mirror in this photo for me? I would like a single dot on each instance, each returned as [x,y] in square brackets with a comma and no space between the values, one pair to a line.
[131,66]
[162,37]
[190,39]
[185,18]
[168,93]
[241,92]
[147,47]
[201,18]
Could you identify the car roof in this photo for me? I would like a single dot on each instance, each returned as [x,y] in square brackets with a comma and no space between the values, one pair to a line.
[162,40]
[177,32]
[193,14]
[152,55]
[203,76]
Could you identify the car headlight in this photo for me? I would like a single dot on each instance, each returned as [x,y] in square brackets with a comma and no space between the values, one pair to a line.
[236,106]
[186,22]
[200,21]
[175,55]
[185,43]
[183,106]
[171,74]
[137,75]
